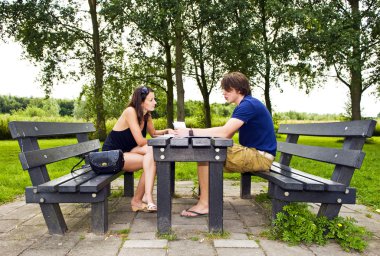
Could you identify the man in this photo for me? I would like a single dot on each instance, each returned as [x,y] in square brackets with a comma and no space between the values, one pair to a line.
[256,137]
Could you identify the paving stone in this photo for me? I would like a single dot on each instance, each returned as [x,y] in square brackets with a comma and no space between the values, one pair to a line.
[178,220]
[37,220]
[14,247]
[9,207]
[142,252]
[145,225]
[230,243]
[8,225]
[239,251]
[142,236]
[27,232]
[230,215]
[187,231]
[120,217]
[23,213]
[93,245]
[234,226]
[161,243]
[238,236]
[373,248]
[117,227]
[331,247]
[190,248]
[46,252]
[272,248]
[255,219]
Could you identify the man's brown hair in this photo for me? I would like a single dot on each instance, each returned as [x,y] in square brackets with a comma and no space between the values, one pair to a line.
[237,81]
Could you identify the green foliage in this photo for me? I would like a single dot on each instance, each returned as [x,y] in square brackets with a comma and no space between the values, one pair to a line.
[296,224]
[12,103]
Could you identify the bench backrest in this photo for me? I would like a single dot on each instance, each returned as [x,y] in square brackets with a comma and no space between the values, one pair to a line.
[346,159]
[34,159]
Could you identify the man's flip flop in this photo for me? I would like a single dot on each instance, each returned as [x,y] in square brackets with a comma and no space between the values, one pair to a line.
[196,214]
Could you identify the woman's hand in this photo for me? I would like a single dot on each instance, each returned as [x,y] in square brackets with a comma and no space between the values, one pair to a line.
[182,132]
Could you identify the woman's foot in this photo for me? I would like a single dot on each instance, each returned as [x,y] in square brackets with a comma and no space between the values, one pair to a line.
[139,207]
[151,207]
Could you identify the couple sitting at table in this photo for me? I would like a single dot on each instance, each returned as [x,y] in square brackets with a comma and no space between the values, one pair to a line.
[251,118]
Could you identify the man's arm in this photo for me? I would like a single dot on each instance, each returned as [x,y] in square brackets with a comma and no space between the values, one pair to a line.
[226,131]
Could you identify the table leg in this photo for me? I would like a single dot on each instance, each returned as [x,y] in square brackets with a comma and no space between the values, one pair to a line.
[164,199]
[215,220]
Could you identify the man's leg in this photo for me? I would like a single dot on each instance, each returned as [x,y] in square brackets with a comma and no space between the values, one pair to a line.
[202,205]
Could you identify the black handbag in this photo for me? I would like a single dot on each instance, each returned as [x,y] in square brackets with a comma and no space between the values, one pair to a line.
[106,162]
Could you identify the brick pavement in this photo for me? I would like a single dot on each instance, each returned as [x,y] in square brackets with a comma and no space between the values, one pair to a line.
[23,231]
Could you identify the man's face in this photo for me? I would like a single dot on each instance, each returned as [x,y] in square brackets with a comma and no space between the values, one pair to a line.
[231,96]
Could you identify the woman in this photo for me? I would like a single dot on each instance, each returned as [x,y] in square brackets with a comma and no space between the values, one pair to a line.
[129,135]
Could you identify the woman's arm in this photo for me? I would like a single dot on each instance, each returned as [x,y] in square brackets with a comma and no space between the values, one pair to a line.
[153,132]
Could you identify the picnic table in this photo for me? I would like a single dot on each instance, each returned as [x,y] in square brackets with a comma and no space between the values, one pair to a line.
[169,150]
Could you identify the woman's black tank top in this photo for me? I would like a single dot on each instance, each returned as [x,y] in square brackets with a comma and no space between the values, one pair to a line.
[123,140]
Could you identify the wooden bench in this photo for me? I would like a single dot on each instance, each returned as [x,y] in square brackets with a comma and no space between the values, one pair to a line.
[286,184]
[80,186]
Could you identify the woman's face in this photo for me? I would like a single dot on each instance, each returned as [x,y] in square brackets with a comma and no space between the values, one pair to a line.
[149,103]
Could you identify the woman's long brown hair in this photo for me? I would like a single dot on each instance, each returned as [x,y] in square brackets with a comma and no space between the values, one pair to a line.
[138,97]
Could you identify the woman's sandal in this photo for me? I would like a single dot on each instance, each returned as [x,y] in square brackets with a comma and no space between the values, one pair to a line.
[151,207]
[141,208]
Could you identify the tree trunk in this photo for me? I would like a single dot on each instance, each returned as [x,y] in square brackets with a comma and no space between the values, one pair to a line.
[99,72]
[178,75]
[356,64]
[170,84]
[267,56]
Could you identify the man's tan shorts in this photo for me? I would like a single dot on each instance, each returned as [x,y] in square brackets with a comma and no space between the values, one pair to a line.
[243,159]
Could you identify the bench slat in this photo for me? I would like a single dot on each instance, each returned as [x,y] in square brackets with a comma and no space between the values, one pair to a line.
[73,184]
[30,159]
[98,182]
[361,128]
[52,186]
[309,184]
[284,182]
[329,184]
[346,157]
[22,129]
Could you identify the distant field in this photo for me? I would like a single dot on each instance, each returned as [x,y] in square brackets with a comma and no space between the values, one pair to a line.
[13,179]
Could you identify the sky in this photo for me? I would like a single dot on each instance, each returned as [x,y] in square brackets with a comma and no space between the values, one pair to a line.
[19,78]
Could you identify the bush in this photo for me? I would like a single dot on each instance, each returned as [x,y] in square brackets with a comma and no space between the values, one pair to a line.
[296,224]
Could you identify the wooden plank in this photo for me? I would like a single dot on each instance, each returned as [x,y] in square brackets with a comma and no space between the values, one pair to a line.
[222,142]
[52,186]
[280,180]
[346,157]
[37,158]
[361,128]
[314,196]
[73,184]
[309,184]
[98,182]
[200,142]
[188,154]
[56,197]
[329,184]
[159,141]
[22,129]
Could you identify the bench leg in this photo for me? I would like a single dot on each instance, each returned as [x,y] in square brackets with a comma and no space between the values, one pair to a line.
[277,206]
[329,210]
[129,184]
[245,185]
[99,217]
[54,218]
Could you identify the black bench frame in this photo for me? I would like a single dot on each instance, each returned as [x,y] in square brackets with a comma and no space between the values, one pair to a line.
[286,185]
[81,186]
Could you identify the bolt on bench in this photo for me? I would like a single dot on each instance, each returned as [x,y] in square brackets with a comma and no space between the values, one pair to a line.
[286,184]
[81,186]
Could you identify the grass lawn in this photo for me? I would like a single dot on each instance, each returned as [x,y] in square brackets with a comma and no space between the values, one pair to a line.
[13,179]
